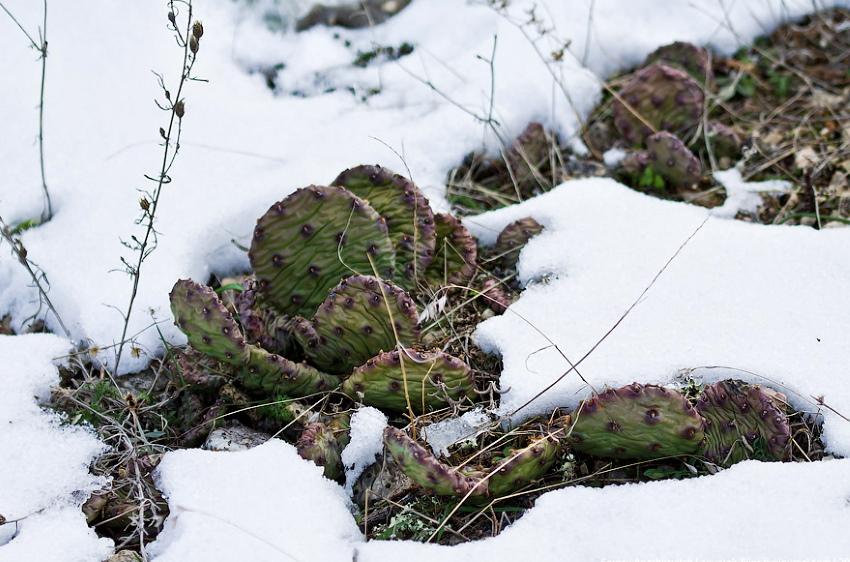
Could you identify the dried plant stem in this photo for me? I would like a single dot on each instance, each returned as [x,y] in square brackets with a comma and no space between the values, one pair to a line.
[38,277]
[188,41]
[41,47]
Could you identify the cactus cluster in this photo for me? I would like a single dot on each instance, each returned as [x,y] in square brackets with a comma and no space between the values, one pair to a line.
[730,421]
[518,465]
[658,112]
[323,310]
[649,422]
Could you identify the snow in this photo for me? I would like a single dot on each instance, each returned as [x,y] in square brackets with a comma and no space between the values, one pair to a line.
[613,156]
[267,501]
[244,148]
[753,511]
[761,301]
[742,195]
[367,442]
[765,302]
[443,434]
[44,475]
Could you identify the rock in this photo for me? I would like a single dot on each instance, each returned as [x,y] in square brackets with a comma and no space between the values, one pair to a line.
[352,16]
[235,437]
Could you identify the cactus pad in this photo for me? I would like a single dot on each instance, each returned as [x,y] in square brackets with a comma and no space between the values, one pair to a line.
[671,158]
[736,413]
[513,239]
[725,141]
[268,374]
[637,422]
[431,379]
[320,443]
[355,323]
[666,97]
[495,296]
[525,465]
[694,60]
[304,245]
[212,331]
[425,470]
[410,221]
[208,325]
[455,255]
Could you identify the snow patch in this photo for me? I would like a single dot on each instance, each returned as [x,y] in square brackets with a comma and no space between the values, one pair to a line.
[367,442]
[742,195]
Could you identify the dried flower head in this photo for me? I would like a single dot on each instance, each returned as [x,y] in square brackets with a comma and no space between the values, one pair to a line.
[197,29]
[179,108]
[193,45]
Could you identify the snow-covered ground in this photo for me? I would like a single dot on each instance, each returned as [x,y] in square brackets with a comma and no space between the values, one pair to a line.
[765,303]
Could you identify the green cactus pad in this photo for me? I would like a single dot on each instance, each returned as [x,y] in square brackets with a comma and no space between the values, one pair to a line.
[432,378]
[212,331]
[694,60]
[268,374]
[355,323]
[671,158]
[513,239]
[425,470]
[637,422]
[736,413]
[525,465]
[304,245]
[454,258]
[320,444]
[208,325]
[410,221]
[666,97]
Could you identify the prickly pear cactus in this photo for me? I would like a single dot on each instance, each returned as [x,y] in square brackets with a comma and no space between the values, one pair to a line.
[637,422]
[410,221]
[528,155]
[671,158]
[425,470]
[261,325]
[456,253]
[322,442]
[208,325]
[211,330]
[522,466]
[304,245]
[694,60]
[422,381]
[742,421]
[495,296]
[513,239]
[665,97]
[725,142]
[361,317]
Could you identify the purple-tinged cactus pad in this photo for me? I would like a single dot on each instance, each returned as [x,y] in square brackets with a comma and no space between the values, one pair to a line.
[356,322]
[637,422]
[268,374]
[208,325]
[725,141]
[410,221]
[742,421]
[431,380]
[212,331]
[513,239]
[304,245]
[694,60]
[665,97]
[672,160]
[526,465]
[322,442]
[425,470]
[455,257]
[495,296]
